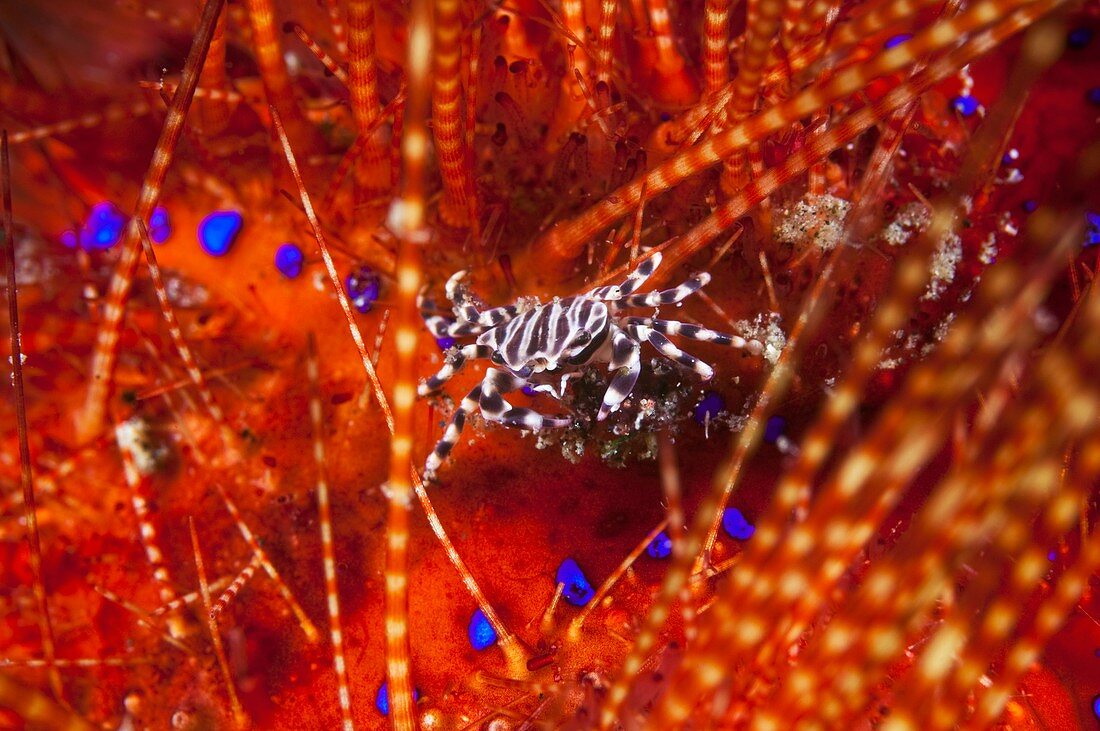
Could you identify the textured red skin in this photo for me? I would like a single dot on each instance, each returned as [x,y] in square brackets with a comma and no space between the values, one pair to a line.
[513,512]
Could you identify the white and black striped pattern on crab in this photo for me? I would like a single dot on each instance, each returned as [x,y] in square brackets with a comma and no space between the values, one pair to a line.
[487,396]
[471,320]
[666,296]
[572,328]
[696,332]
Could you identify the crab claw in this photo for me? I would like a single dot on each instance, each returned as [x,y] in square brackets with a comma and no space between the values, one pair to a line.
[453,282]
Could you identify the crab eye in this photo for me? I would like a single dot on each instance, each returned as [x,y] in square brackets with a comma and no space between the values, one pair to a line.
[497,358]
[583,338]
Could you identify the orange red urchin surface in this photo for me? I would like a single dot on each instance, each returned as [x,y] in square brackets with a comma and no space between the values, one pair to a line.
[866,499]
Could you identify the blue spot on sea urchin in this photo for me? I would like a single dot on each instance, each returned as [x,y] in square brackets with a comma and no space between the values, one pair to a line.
[736,525]
[774,429]
[103,227]
[218,231]
[1079,37]
[709,407]
[897,40]
[289,260]
[965,105]
[480,632]
[382,699]
[578,591]
[661,546]
[1092,232]
[363,287]
[160,226]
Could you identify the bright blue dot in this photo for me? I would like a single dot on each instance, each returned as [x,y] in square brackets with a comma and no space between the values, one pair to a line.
[896,40]
[103,227]
[363,287]
[289,260]
[481,633]
[665,117]
[709,407]
[160,227]
[1096,706]
[1093,95]
[1079,37]
[529,390]
[734,523]
[578,591]
[68,238]
[382,699]
[1092,234]
[218,231]
[1030,205]
[964,105]
[660,547]
[445,343]
[774,429]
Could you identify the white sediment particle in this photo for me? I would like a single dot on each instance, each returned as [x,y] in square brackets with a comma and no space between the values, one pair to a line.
[988,254]
[765,328]
[816,220]
[945,261]
[889,364]
[133,436]
[938,334]
[912,218]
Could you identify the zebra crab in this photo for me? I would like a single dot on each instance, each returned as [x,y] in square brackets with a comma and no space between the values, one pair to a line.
[542,345]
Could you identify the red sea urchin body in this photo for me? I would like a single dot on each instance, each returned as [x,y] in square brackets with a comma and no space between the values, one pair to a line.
[881,519]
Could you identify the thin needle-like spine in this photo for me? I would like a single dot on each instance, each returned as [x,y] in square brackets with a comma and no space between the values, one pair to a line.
[407,220]
[318,52]
[144,618]
[91,419]
[186,600]
[239,716]
[269,568]
[138,486]
[330,266]
[273,70]
[339,29]
[363,84]
[356,149]
[566,241]
[194,372]
[716,37]
[113,113]
[26,472]
[1026,650]
[368,365]
[214,114]
[913,275]
[328,550]
[222,602]
[672,490]
[605,35]
[447,115]
[613,578]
